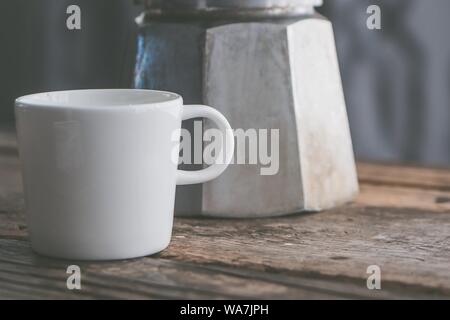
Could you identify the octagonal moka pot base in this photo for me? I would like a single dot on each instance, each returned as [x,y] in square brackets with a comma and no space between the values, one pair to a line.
[263,67]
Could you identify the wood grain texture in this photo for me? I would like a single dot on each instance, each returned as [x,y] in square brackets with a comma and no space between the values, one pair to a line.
[404,176]
[400,222]
[410,247]
[26,275]
[426,200]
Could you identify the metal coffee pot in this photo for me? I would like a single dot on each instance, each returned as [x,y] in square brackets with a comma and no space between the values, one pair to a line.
[265,64]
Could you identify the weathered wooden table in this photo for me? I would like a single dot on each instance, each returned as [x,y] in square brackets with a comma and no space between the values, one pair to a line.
[400,222]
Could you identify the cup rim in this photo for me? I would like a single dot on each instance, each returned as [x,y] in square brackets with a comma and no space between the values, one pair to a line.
[137,98]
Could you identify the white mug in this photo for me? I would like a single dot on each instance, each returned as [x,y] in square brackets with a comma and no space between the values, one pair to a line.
[98,169]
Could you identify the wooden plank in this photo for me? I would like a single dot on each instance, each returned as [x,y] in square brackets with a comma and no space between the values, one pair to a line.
[26,275]
[404,176]
[12,222]
[8,140]
[409,246]
[427,200]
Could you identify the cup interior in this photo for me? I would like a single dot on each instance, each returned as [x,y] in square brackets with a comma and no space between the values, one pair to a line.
[98,98]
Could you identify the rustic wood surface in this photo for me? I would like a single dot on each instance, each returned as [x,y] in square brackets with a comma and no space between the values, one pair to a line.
[400,222]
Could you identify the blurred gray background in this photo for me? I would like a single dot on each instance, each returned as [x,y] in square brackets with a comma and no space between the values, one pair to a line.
[396,80]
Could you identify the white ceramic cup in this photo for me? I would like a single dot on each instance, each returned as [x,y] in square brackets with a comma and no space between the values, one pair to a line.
[98,169]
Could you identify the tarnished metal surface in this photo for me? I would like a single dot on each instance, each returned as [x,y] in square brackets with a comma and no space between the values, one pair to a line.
[263,74]
[223,4]
[226,9]
[283,76]
[252,87]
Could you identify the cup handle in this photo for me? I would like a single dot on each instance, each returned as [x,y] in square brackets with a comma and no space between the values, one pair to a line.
[213,171]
